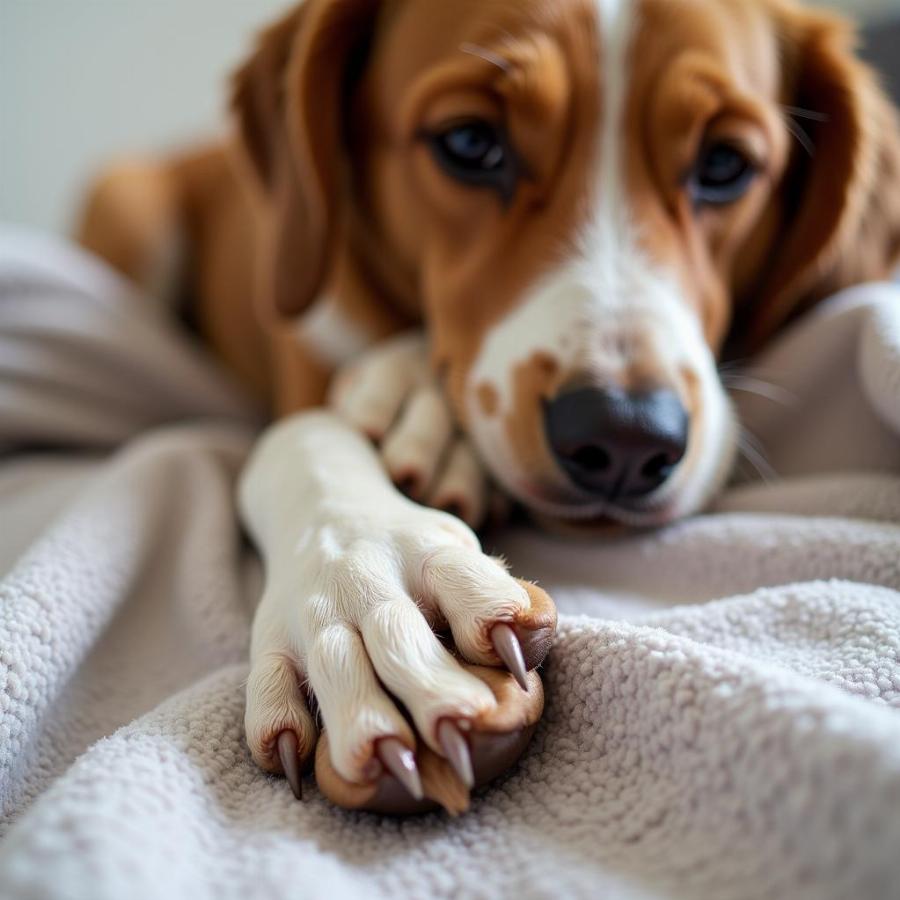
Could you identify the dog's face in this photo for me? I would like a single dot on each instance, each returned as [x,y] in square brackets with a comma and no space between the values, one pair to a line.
[584,197]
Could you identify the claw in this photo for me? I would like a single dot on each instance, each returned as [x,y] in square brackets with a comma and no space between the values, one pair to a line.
[509,650]
[288,753]
[401,763]
[456,751]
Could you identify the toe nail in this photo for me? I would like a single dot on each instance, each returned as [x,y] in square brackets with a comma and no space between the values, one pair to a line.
[510,651]
[456,751]
[288,753]
[400,761]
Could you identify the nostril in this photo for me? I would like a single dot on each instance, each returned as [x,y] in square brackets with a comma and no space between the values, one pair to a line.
[658,467]
[592,458]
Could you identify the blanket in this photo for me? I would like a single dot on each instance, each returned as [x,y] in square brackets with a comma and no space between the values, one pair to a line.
[723,698]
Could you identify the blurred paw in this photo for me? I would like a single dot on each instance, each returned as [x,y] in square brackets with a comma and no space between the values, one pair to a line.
[391,394]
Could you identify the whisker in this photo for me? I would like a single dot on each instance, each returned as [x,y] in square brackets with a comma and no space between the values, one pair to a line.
[730,365]
[757,464]
[752,440]
[749,385]
[487,55]
[749,368]
[802,113]
[802,137]
[752,450]
[744,471]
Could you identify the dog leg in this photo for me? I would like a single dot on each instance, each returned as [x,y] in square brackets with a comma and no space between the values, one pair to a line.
[358,577]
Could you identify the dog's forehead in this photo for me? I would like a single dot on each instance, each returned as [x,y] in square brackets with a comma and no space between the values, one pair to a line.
[414,35]
[737,36]
[449,21]
[738,33]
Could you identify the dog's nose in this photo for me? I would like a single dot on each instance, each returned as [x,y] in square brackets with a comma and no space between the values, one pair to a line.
[614,443]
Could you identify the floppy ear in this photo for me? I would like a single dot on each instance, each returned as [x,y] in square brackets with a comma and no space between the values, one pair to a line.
[289,99]
[841,195]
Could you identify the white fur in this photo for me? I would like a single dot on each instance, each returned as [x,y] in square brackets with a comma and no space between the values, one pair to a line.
[370,391]
[461,483]
[593,312]
[391,394]
[335,336]
[420,438]
[355,572]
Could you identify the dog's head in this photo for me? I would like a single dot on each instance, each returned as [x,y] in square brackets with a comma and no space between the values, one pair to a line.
[584,199]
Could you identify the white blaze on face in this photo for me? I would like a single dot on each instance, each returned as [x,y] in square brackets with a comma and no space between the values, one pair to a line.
[608,302]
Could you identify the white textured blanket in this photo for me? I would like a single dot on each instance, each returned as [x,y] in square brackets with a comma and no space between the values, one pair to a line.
[723,712]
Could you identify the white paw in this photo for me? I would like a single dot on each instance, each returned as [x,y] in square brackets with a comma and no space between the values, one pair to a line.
[354,597]
[391,395]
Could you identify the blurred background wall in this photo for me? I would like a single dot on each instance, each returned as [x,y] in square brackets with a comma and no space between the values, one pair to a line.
[85,80]
[82,81]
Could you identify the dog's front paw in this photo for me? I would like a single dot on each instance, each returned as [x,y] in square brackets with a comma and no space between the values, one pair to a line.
[391,394]
[473,756]
[352,622]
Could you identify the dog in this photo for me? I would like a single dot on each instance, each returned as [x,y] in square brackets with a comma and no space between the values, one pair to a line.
[584,204]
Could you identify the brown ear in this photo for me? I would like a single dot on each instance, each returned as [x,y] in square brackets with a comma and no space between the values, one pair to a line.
[289,99]
[841,196]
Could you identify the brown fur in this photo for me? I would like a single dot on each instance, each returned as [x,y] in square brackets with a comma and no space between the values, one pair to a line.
[847,229]
[333,191]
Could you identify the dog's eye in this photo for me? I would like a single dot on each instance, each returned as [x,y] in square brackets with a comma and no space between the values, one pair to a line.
[473,146]
[722,175]
[476,153]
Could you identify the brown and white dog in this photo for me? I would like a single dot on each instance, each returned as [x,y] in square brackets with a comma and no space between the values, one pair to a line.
[580,201]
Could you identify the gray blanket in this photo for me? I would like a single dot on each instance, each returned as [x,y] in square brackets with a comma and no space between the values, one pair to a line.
[722,715]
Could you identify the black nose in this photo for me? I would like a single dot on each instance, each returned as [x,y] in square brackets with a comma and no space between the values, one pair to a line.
[614,443]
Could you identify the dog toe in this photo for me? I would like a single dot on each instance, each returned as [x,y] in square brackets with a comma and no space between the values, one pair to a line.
[495,619]
[461,488]
[371,393]
[361,718]
[418,441]
[280,730]
[417,669]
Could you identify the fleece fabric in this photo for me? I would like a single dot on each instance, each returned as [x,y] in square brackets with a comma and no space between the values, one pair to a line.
[723,699]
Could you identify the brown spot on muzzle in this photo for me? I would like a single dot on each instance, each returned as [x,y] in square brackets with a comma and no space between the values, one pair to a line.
[545,364]
[535,380]
[488,398]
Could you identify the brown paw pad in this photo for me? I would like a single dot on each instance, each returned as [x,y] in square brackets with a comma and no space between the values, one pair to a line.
[496,742]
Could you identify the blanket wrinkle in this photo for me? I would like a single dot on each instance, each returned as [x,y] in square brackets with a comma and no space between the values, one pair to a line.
[85,363]
[722,699]
[116,542]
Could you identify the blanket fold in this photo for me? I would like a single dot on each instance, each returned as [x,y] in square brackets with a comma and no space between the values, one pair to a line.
[723,700]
